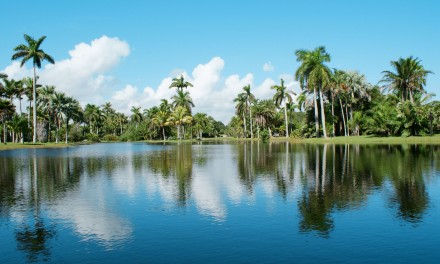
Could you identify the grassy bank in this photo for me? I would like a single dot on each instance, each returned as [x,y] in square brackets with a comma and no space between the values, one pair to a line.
[33,145]
[367,140]
[336,140]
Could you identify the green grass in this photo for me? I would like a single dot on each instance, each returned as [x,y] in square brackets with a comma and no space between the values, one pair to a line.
[336,140]
[370,140]
[33,145]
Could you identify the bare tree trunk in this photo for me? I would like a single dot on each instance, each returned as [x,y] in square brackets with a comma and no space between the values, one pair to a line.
[346,113]
[321,100]
[34,112]
[250,120]
[285,118]
[315,102]
[343,117]
[333,115]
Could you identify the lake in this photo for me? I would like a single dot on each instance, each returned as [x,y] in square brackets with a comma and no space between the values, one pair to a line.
[220,203]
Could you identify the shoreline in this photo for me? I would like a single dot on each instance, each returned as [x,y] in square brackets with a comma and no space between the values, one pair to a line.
[359,140]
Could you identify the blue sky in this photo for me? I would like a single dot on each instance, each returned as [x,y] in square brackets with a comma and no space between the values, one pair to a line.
[145,43]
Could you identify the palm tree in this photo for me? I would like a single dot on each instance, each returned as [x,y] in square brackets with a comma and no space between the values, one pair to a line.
[10,88]
[264,112]
[71,110]
[314,74]
[45,105]
[93,116]
[250,98]
[409,78]
[201,120]
[136,117]
[7,109]
[32,52]
[161,120]
[179,117]
[183,99]
[282,95]
[58,102]
[180,83]
[28,91]
[240,109]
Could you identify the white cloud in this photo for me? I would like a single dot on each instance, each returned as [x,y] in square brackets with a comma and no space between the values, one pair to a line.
[83,74]
[212,94]
[268,67]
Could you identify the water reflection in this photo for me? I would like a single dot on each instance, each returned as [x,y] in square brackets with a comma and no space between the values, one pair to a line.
[84,188]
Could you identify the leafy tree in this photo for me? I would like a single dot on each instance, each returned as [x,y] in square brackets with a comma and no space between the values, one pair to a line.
[408,78]
[282,95]
[314,75]
[32,51]
[180,83]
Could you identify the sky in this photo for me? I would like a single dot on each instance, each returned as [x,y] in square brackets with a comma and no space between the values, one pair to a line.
[127,52]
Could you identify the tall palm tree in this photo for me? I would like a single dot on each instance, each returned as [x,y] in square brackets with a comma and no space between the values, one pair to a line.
[32,51]
[250,98]
[409,78]
[314,74]
[28,91]
[180,83]
[71,110]
[136,117]
[282,95]
[240,109]
[183,99]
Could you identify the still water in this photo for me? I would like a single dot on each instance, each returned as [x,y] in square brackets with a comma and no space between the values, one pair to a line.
[220,203]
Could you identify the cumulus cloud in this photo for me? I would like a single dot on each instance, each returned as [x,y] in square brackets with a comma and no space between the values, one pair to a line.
[83,74]
[268,67]
[212,93]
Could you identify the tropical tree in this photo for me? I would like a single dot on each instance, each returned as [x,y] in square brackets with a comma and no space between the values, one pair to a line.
[250,98]
[71,110]
[264,112]
[408,78]
[7,109]
[314,75]
[240,109]
[201,122]
[180,83]
[161,120]
[183,99]
[136,117]
[179,117]
[32,51]
[283,96]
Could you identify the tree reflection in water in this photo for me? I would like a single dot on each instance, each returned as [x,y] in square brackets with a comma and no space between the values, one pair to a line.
[325,178]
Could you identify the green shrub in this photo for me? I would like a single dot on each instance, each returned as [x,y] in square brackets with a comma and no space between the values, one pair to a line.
[110,138]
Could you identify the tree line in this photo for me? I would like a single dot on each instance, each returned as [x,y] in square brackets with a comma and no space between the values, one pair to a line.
[332,102]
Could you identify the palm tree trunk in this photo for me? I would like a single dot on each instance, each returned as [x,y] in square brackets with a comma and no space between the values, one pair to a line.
[250,120]
[34,112]
[321,100]
[346,113]
[315,104]
[285,118]
[333,114]
[343,117]
[244,120]
[163,133]
[67,130]
[4,131]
